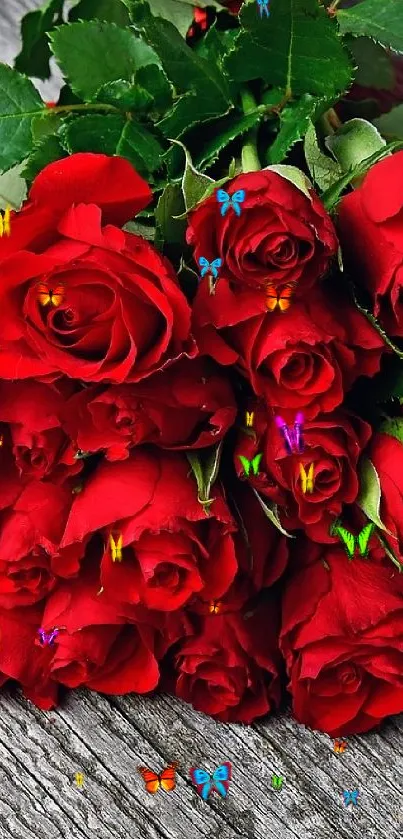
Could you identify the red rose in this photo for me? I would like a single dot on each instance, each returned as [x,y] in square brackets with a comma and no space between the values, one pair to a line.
[386,454]
[305,358]
[230,668]
[40,447]
[29,537]
[342,639]
[372,239]
[120,314]
[170,549]
[95,647]
[22,659]
[190,405]
[280,236]
[332,443]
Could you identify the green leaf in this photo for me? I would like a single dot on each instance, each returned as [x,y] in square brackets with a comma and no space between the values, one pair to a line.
[140,146]
[272,514]
[113,11]
[294,175]
[226,130]
[294,122]
[391,125]
[194,183]
[374,67]
[46,151]
[92,53]
[205,88]
[323,169]
[13,188]
[179,14]
[113,134]
[354,142]
[143,230]
[298,49]
[369,498]
[332,195]
[153,79]
[393,427]
[124,95]
[205,467]
[35,53]
[19,103]
[168,228]
[382,21]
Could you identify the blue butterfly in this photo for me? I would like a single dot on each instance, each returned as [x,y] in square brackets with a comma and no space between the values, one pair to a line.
[263,7]
[209,267]
[230,200]
[350,797]
[206,783]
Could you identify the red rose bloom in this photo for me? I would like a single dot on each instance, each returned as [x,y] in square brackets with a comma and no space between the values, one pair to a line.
[190,405]
[29,536]
[371,232]
[386,454]
[119,314]
[230,668]
[170,549]
[41,448]
[95,647]
[342,639]
[305,358]
[332,443]
[281,235]
[22,659]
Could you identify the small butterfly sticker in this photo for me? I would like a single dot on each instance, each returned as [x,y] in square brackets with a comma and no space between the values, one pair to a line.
[249,417]
[340,746]
[263,7]
[217,782]
[276,781]
[48,296]
[5,226]
[116,548]
[211,269]
[293,437]
[351,542]
[47,638]
[214,607]
[249,465]
[350,797]
[228,201]
[307,478]
[281,299]
[165,780]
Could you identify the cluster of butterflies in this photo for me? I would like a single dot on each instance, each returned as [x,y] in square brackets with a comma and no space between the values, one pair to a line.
[293,438]
[204,782]
[274,299]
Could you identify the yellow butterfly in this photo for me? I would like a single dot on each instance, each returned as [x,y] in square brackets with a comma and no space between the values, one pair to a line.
[250,416]
[5,227]
[307,478]
[116,548]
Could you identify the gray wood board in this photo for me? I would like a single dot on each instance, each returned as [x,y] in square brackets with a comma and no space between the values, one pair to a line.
[106,740]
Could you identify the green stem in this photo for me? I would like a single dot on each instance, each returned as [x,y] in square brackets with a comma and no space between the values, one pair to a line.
[59,109]
[250,158]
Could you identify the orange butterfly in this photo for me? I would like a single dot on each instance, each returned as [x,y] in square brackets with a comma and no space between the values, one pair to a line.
[47,295]
[165,780]
[214,607]
[281,299]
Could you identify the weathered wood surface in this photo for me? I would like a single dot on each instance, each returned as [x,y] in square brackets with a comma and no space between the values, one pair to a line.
[107,739]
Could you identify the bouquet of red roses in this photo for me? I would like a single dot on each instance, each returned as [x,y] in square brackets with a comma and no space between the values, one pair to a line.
[201,339]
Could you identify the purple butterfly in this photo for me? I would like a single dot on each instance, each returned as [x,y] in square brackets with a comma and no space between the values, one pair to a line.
[293,437]
[47,638]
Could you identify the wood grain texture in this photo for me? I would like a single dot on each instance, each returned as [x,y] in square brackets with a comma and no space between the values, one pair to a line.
[107,739]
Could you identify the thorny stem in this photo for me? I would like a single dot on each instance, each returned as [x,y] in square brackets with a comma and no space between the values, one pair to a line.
[250,157]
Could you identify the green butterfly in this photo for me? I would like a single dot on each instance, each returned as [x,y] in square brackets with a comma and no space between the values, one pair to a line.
[247,464]
[351,542]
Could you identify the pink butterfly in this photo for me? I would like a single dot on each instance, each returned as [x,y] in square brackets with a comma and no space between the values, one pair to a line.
[293,437]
